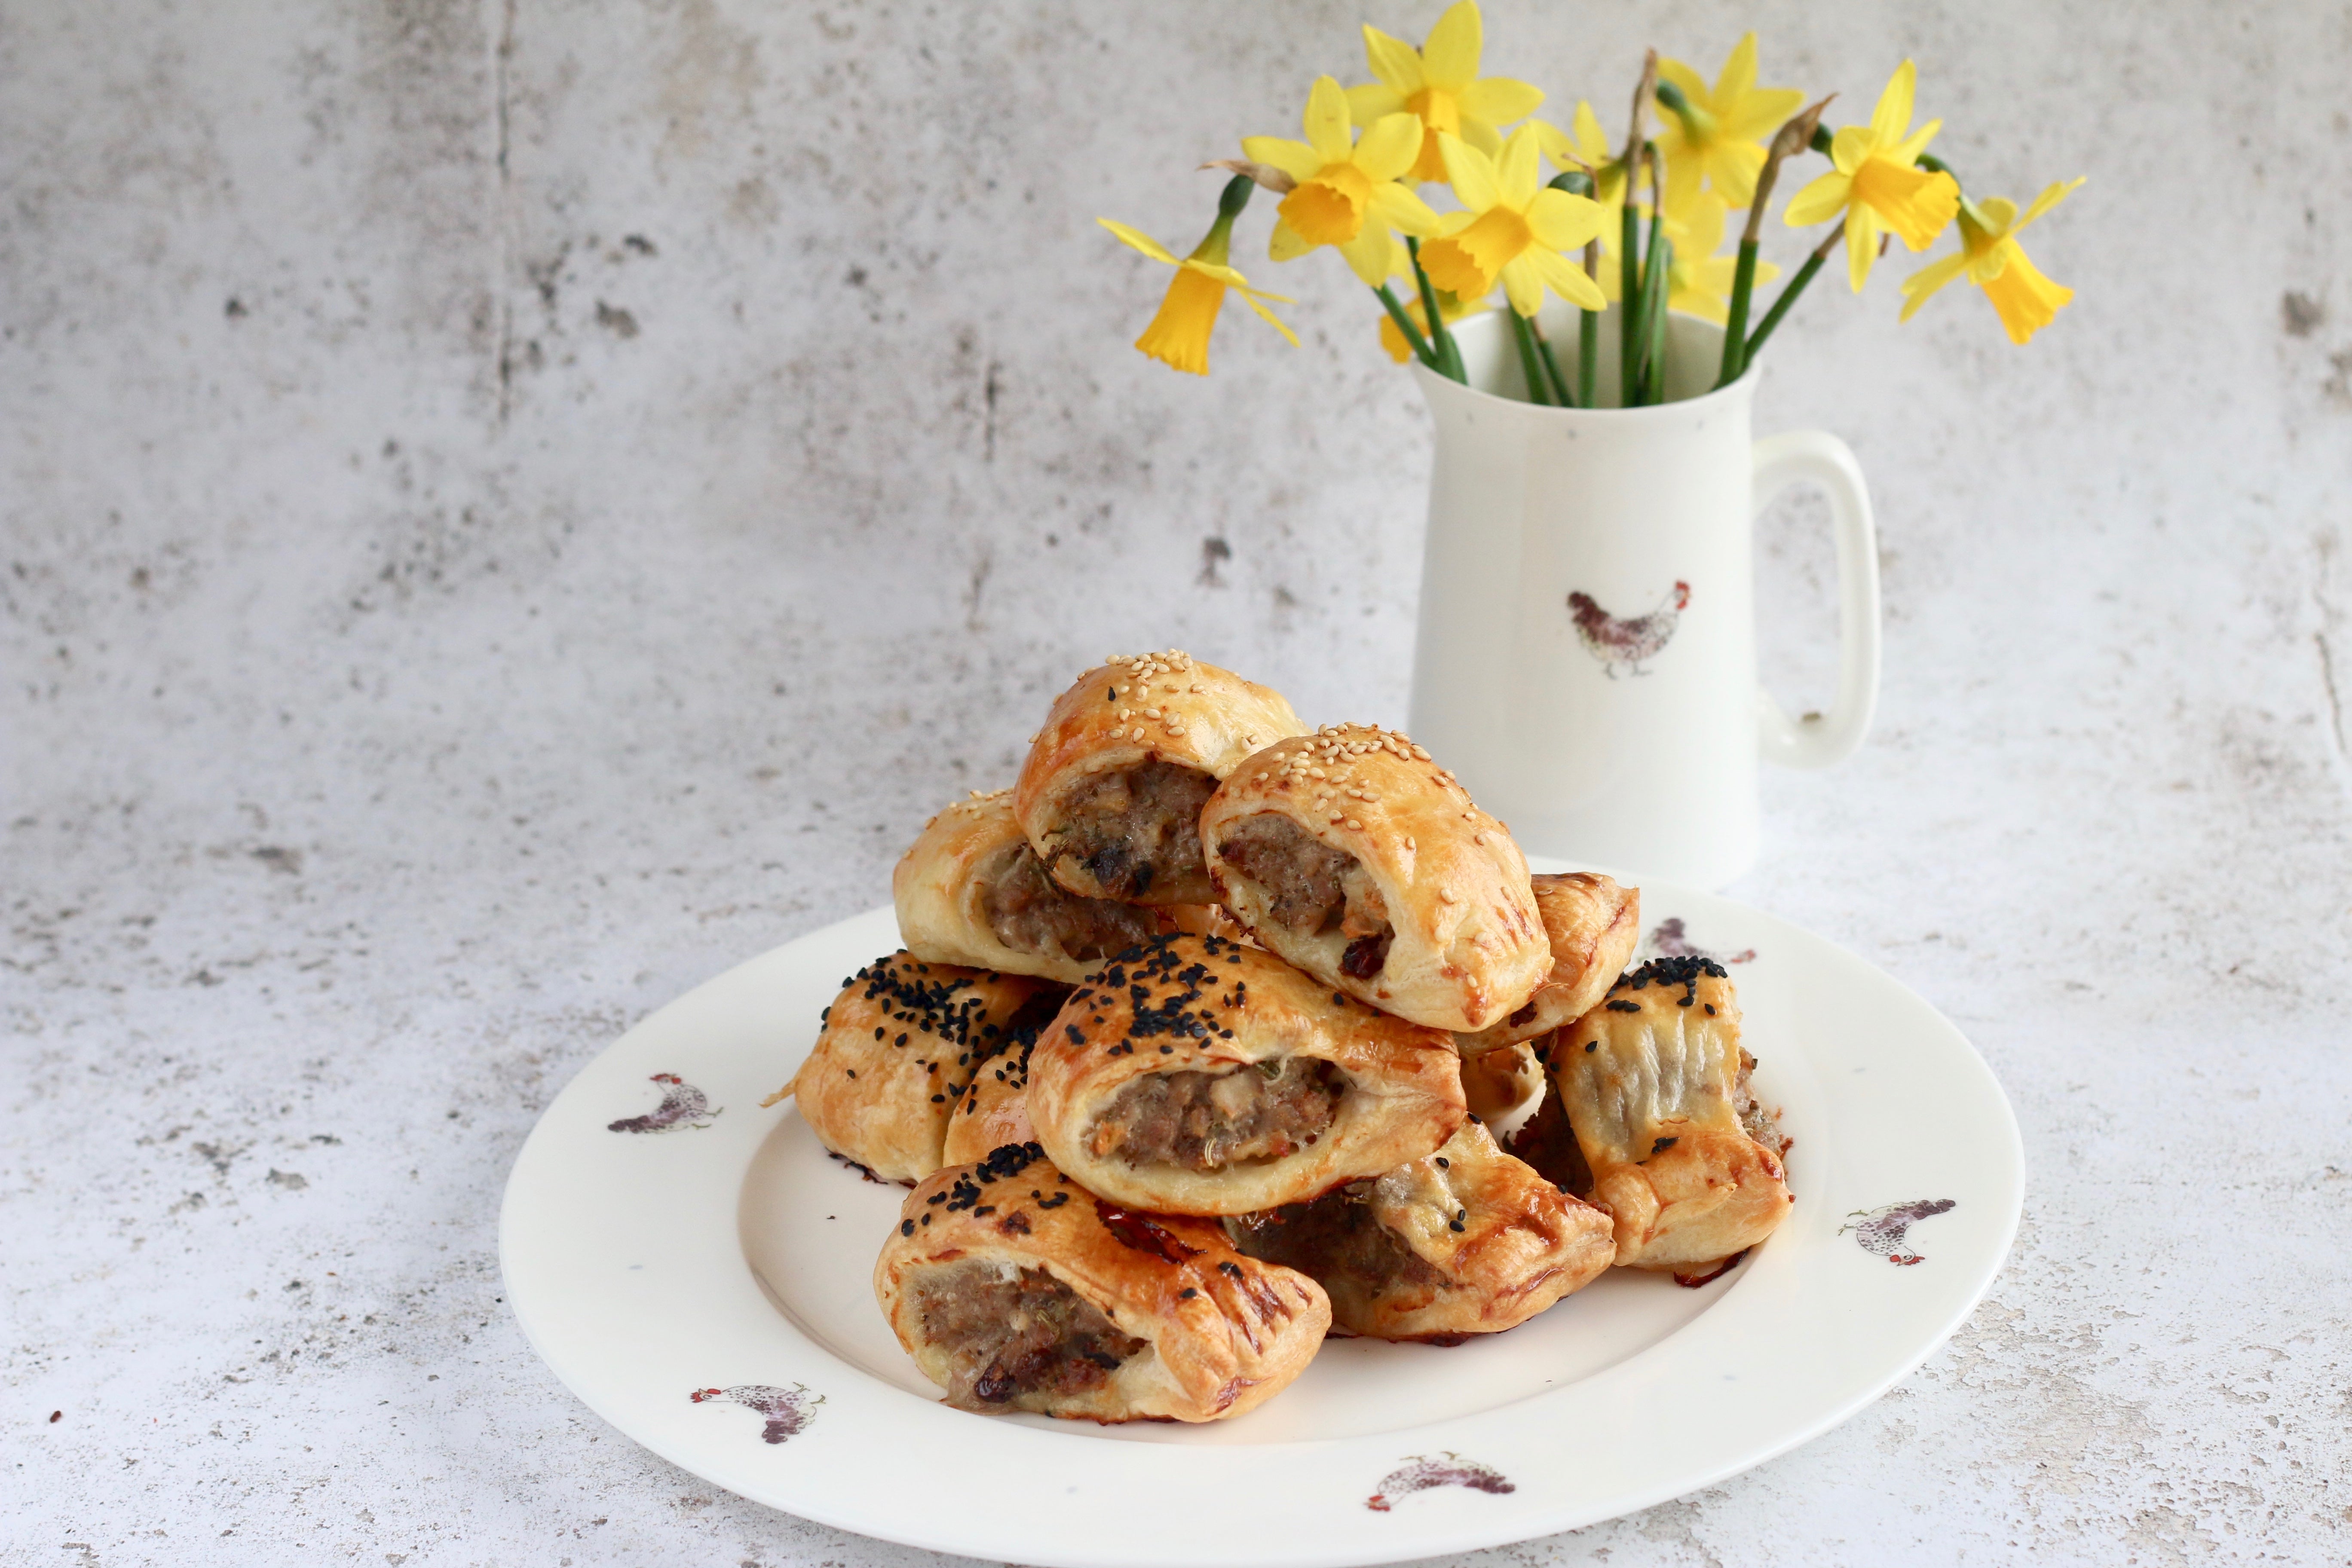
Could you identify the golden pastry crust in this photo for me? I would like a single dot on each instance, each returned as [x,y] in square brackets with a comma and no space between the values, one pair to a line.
[896,1048]
[1652,1082]
[1206,1077]
[1591,925]
[1015,1289]
[1110,794]
[1464,1241]
[1354,856]
[971,891]
[1499,1085]
[993,1109]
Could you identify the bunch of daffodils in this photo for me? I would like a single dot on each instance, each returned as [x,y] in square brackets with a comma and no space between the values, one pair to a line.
[1637,226]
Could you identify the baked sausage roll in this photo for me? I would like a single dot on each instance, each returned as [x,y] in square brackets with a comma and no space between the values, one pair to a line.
[897,1050]
[1110,796]
[1353,856]
[1464,1241]
[972,890]
[1652,1080]
[1015,1290]
[993,1109]
[1591,925]
[1200,1076]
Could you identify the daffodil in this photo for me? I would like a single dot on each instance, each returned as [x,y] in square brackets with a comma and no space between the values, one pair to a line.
[1178,336]
[1439,84]
[1876,185]
[1701,280]
[1720,132]
[1451,309]
[1514,229]
[1347,195]
[1994,261]
[1584,146]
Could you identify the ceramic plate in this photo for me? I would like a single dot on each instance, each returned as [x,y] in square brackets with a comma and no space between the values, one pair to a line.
[699,1271]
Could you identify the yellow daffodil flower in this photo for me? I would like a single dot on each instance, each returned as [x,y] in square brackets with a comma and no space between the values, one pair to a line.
[1347,195]
[1451,307]
[1178,336]
[1585,146]
[1994,261]
[1700,283]
[1515,229]
[1876,185]
[1439,84]
[1723,135]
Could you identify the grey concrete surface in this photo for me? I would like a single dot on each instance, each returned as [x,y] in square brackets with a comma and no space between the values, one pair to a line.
[509,508]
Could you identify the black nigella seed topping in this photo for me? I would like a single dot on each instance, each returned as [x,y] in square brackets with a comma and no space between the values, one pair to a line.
[906,1227]
[1663,1144]
[1623,1007]
[1591,1046]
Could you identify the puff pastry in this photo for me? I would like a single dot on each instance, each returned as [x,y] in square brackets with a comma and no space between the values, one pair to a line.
[993,1109]
[1464,1241]
[1591,925]
[1653,1082]
[1111,792]
[1015,1290]
[972,890]
[1353,856]
[1501,1085]
[1206,1076]
[897,1050]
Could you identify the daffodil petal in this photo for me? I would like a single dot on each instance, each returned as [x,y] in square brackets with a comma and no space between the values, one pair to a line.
[1861,245]
[1892,118]
[1139,240]
[1563,154]
[2000,215]
[1482,135]
[1907,151]
[1920,285]
[1367,255]
[1399,208]
[1368,101]
[1471,172]
[1693,85]
[1286,244]
[1683,175]
[1295,159]
[1732,168]
[1268,317]
[1820,201]
[1396,63]
[2026,300]
[1567,279]
[1389,148]
[2049,198]
[1518,173]
[1563,222]
[1498,100]
[1591,140]
[1523,284]
[1762,112]
[1326,121]
[1738,73]
[1850,145]
[1449,57]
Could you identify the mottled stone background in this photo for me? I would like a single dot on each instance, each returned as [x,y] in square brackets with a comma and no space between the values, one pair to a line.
[509,508]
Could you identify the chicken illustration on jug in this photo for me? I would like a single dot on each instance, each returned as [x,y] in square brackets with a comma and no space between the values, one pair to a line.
[1626,641]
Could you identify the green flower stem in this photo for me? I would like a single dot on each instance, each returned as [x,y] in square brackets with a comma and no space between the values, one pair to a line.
[1560,392]
[1659,294]
[1538,383]
[1403,320]
[1734,330]
[1822,139]
[1449,357]
[1580,183]
[1796,286]
[1650,296]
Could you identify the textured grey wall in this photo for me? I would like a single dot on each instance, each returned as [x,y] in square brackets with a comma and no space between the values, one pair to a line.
[510,507]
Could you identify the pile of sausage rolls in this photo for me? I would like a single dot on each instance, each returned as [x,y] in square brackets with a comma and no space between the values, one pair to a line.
[1195,1049]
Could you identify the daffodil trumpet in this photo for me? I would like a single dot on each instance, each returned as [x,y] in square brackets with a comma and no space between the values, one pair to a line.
[1406,325]
[1441,341]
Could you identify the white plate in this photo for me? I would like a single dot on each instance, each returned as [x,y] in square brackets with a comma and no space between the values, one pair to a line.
[699,1271]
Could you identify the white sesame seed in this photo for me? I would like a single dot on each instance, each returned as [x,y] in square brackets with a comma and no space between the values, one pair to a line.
[1449,896]
[1353,824]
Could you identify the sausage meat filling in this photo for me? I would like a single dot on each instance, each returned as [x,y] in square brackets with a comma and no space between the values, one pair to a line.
[1030,912]
[1311,888]
[1206,1121]
[1336,1240]
[1136,832]
[1027,1340]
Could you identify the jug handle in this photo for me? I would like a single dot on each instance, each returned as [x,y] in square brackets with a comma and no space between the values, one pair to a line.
[1820,741]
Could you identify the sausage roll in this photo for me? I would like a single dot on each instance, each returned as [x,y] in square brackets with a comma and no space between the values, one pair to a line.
[1015,1290]
[1652,1080]
[1500,1085]
[1201,1076]
[1591,925]
[897,1050]
[993,1109]
[1111,792]
[1464,1241]
[1353,856]
[972,891]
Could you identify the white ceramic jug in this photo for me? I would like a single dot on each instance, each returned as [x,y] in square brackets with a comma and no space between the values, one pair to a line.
[1586,659]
